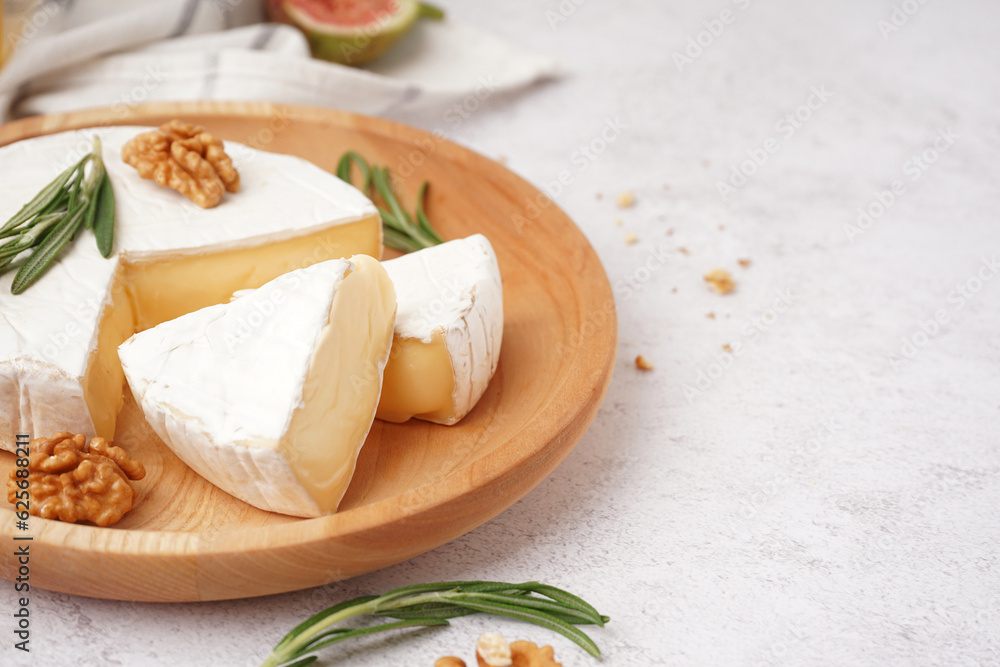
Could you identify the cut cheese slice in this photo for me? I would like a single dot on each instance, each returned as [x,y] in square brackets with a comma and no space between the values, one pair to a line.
[270,397]
[449,328]
[58,366]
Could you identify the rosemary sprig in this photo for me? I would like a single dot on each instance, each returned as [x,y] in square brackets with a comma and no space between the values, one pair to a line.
[400,230]
[427,605]
[46,224]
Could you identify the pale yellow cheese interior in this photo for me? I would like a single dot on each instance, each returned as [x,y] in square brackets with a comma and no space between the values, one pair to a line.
[342,387]
[166,289]
[104,381]
[147,293]
[419,381]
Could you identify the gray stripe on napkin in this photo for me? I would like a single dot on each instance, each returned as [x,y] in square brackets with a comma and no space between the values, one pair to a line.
[186,18]
[411,93]
[264,36]
[211,75]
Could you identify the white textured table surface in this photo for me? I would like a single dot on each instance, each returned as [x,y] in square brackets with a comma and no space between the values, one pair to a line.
[826,495]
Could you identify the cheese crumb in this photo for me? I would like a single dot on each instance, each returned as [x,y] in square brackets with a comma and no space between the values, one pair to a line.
[727,347]
[720,281]
[631,238]
[711,316]
[626,199]
[643,364]
[618,222]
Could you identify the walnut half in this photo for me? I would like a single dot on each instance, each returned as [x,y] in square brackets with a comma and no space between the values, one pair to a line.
[72,481]
[186,158]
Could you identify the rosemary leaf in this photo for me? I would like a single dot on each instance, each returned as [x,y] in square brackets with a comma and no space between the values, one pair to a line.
[344,170]
[546,606]
[76,199]
[430,610]
[563,597]
[361,632]
[74,190]
[422,220]
[537,617]
[382,185]
[94,183]
[31,236]
[399,241]
[104,216]
[303,662]
[401,231]
[45,253]
[321,616]
[43,198]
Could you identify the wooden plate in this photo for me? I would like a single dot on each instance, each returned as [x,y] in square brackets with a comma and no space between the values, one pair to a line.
[417,485]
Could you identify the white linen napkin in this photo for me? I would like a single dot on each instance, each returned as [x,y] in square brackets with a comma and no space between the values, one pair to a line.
[115,53]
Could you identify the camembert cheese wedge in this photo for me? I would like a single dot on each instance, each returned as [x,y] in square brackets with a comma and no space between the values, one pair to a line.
[449,326]
[270,397]
[59,370]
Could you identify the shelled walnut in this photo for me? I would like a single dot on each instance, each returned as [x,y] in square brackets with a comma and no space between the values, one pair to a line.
[186,158]
[492,650]
[71,480]
[528,654]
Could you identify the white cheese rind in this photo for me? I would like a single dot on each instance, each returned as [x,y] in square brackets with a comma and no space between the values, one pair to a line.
[49,334]
[222,386]
[454,289]
[153,221]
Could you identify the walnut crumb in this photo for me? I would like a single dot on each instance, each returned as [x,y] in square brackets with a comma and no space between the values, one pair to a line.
[599,196]
[711,316]
[745,263]
[684,251]
[449,661]
[626,199]
[643,364]
[727,347]
[720,281]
